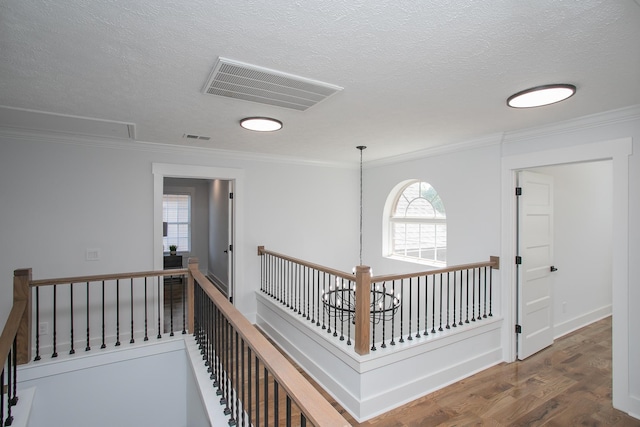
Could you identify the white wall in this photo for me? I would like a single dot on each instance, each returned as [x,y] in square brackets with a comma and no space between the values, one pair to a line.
[468,183]
[582,285]
[63,195]
[143,386]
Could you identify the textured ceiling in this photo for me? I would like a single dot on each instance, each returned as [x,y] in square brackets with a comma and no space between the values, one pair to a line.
[415,74]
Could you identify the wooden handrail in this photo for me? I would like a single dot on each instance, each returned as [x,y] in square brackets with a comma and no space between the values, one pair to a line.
[364,280]
[105,277]
[10,329]
[493,262]
[337,273]
[315,407]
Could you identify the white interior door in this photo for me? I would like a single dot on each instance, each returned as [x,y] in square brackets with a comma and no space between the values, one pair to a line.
[535,249]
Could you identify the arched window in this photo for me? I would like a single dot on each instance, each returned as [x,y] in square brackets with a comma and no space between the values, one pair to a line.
[417,225]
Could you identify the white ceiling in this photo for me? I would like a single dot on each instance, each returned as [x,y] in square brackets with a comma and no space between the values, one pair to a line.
[416,74]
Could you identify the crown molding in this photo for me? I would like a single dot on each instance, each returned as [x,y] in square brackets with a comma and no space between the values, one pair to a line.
[144,146]
[485,141]
[591,121]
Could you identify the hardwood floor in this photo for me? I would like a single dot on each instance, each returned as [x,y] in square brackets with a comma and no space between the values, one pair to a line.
[567,384]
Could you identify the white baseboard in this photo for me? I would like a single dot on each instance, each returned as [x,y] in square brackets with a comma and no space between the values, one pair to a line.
[581,321]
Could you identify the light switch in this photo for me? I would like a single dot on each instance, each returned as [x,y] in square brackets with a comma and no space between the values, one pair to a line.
[92,254]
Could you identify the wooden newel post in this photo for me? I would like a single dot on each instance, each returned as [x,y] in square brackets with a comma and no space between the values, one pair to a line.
[22,292]
[363,309]
[193,265]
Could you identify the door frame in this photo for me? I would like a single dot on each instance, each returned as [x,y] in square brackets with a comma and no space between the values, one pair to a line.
[618,151]
[162,170]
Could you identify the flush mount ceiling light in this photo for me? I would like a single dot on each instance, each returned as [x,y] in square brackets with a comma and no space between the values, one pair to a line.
[261,124]
[541,95]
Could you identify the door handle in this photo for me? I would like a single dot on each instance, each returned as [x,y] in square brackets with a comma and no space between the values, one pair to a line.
[226,251]
[553,268]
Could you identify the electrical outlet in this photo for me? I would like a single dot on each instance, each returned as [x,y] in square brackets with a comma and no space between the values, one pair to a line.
[43,328]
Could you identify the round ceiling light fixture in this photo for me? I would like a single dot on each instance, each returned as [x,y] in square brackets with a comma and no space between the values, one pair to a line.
[261,124]
[541,95]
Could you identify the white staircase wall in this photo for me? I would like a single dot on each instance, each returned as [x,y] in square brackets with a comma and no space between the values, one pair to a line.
[145,385]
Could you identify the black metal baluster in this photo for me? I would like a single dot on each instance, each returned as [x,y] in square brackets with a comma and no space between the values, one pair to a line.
[14,356]
[479,293]
[249,410]
[454,324]
[257,423]
[341,317]
[335,311]
[300,288]
[350,302]
[467,305]
[448,299]
[372,290]
[324,295]
[401,311]
[276,403]
[384,322]
[393,316]
[460,318]
[171,280]
[484,312]
[131,289]
[288,409]
[104,345]
[9,419]
[433,304]
[37,329]
[159,311]
[236,378]
[55,326]
[426,305]
[72,351]
[266,397]
[418,308]
[309,294]
[88,347]
[490,291]
[440,328]
[184,306]
[303,420]
[409,337]
[2,393]
[146,313]
[117,312]
[473,290]
[319,296]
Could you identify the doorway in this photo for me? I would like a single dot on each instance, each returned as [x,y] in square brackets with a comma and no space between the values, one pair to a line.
[572,286]
[617,151]
[235,178]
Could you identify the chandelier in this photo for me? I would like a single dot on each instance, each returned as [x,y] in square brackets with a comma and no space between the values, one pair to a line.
[339,301]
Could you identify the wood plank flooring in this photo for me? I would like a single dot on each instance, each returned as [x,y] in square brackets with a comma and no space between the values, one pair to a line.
[567,384]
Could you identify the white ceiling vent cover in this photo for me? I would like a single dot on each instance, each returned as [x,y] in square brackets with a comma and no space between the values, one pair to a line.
[238,80]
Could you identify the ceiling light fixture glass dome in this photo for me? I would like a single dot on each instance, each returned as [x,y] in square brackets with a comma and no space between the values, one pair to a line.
[541,95]
[261,124]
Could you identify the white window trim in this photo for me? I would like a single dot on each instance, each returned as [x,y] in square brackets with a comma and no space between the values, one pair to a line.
[387,229]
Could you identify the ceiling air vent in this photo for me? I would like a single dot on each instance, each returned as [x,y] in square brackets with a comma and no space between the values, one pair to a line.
[238,80]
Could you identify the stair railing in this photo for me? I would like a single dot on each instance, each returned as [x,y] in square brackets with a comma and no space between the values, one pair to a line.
[14,344]
[379,311]
[257,385]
